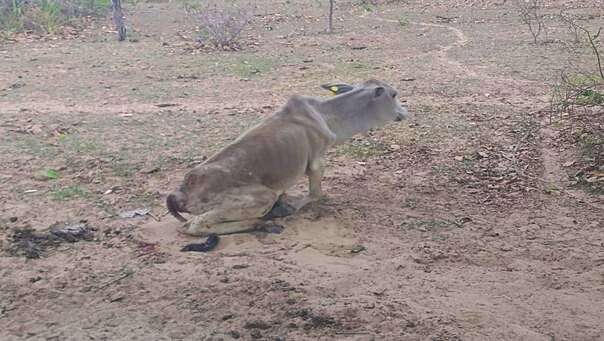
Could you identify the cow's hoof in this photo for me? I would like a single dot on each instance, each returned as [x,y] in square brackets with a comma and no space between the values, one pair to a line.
[272,228]
[280,209]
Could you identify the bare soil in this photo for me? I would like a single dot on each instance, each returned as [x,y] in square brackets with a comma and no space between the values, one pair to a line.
[459,225]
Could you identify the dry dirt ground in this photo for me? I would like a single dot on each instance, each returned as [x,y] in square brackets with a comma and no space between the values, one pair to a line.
[460,225]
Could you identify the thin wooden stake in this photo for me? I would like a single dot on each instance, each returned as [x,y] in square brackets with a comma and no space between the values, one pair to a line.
[118,19]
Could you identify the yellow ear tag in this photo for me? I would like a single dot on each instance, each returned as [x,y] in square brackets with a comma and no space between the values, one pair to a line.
[334,89]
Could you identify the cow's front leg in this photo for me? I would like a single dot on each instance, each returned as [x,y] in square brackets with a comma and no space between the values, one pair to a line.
[315,176]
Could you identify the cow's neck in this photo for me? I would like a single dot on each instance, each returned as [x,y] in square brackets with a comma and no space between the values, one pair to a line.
[346,114]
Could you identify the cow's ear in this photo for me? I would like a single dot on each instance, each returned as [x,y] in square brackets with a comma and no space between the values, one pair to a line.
[337,88]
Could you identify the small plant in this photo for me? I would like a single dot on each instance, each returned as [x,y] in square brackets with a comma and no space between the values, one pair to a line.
[11,12]
[68,193]
[411,203]
[531,15]
[49,16]
[252,66]
[367,5]
[403,21]
[427,225]
[221,26]
[77,144]
[569,20]
[591,148]
[50,174]
[592,39]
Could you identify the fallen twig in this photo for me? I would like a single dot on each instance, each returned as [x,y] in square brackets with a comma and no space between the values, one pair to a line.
[154,216]
[353,333]
[115,280]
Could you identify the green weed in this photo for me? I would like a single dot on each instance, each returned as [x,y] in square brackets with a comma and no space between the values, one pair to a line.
[76,144]
[592,146]
[46,16]
[427,225]
[411,203]
[577,90]
[590,97]
[50,174]
[437,228]
[124,169]
[68,193]
[468,162]
[361,149]
[49,16]
[35,147]
[403,21]
[367,5]
[252,66]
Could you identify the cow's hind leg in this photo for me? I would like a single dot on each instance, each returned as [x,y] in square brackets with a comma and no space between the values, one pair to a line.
[239,210]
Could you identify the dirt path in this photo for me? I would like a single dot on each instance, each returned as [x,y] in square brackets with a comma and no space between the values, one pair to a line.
[442,53]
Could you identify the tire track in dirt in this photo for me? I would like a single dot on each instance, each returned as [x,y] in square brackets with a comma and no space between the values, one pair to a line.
[442,53]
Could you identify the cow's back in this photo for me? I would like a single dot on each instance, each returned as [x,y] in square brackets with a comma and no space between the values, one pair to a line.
[275,153]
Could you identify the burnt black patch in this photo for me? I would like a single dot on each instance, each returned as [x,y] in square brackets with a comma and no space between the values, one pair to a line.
[32,244]
[313,320]
[257,324]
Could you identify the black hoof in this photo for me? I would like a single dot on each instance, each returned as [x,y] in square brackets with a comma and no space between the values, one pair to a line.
[280,209]
[272,228]
[209,245]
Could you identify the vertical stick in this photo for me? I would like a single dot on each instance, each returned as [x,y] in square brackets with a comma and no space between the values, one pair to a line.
[331,2]
[118,19]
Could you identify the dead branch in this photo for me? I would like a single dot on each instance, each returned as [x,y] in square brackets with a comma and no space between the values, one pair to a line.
[594,47]
[591,39]
[530,14]
[115,280]
[570,22]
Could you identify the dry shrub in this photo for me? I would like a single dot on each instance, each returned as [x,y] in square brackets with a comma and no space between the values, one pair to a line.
[578,102]
[221,26]
[531,14]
